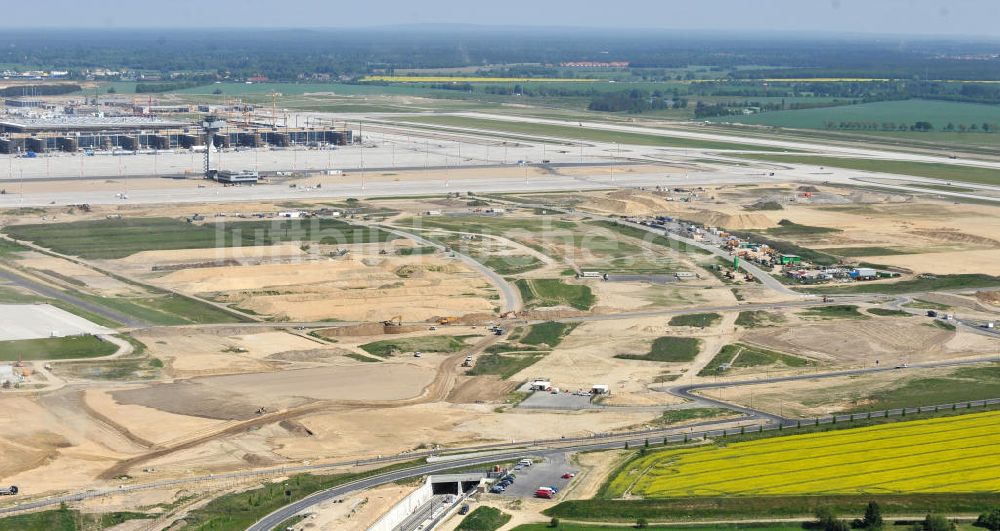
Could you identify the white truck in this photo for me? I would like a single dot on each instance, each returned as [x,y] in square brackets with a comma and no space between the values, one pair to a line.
[8,491]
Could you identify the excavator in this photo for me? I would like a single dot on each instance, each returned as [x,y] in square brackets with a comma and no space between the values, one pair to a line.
[394,321]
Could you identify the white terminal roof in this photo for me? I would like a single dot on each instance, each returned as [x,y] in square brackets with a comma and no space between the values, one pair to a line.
[64,123]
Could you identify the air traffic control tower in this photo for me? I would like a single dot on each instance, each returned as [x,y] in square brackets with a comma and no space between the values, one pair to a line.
[211,124]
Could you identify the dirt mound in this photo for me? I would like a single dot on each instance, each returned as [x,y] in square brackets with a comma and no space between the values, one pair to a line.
[742,221]
[477,318]
[630,203]
[315,355]
[955,236]
[989,297]
[365,329]
[807,188]
[763,205]
[296,428]
[873,197]
[548,315]
[257,459]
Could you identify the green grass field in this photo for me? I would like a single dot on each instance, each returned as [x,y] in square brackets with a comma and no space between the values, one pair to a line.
[938,113]
[549,333]
[484,518]
[595,527]
[757,318]
[836,311]
[8,247]
[668,349]
[66,520]
[387,347]
[118,238]
[938,283]
[886,312]
[512,265]
[946,172]
[966,383]
[504,365]
[741,355]
[698,320]
[163,309]
[576,133]
[554,292]
[768,507]
[521,349]
[58,348]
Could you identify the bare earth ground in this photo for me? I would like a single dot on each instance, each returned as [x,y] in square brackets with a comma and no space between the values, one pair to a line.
[939,237]
[853,343]
[358,287]
[217,378]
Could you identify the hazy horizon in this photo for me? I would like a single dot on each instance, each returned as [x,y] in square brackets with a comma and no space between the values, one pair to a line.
[918,18]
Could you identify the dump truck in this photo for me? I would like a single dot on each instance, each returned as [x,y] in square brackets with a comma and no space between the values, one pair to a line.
[447,320]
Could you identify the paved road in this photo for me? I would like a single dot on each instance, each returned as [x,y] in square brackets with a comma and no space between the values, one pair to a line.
[270,521]
[52,293]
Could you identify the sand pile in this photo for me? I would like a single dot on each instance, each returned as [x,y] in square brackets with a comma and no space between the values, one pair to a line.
[988,297]
[740,221]
[630,203]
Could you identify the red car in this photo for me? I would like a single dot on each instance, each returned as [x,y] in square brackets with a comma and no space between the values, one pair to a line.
[568,475]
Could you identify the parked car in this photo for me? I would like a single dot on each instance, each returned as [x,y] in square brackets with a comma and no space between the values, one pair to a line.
[568,475]
[464,509]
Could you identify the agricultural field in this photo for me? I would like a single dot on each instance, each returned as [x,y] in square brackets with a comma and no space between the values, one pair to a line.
[956,454]
[938,113]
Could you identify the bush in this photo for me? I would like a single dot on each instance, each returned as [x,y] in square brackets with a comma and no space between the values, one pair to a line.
[990,520]
[934,522]
[872,519]
[554,522]
[641,523]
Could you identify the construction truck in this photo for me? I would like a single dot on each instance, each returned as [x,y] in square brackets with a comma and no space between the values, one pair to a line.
[8,491]
[447,320]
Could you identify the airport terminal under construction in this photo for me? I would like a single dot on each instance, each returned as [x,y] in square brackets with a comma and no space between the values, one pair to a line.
[131,133]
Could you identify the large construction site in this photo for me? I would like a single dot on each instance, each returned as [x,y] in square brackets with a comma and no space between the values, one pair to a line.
[400,295]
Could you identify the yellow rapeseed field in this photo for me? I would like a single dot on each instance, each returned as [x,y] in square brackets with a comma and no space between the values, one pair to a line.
[950,454]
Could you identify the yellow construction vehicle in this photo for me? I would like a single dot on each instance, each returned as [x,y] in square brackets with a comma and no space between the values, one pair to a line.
[447,320]
[394,321]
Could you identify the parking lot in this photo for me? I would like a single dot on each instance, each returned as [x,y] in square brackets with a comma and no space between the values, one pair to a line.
[547,473]
[561,401]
